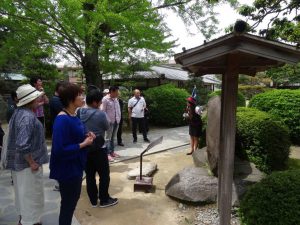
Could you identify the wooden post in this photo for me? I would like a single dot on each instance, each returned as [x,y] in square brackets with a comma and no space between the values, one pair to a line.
[227,138]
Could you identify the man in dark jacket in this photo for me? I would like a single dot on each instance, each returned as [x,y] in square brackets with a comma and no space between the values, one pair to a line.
[55,103]
[97,161]
[11,105]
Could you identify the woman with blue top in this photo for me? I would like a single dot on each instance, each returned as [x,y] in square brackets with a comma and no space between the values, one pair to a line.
[68,154]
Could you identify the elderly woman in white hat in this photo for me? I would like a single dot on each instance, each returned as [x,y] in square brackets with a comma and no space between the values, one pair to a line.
[26,153]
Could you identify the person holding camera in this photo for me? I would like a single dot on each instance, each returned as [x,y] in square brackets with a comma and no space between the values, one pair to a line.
[37,83]
[195,123]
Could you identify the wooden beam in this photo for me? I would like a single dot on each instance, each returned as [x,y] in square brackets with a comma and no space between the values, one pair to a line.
[227,138]
[268,52]
[217,51]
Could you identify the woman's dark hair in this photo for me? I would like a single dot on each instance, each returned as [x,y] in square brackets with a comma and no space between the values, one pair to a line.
[94,95]
[192,110]
[13,95]
[69,93]
[92,87]
[33,80]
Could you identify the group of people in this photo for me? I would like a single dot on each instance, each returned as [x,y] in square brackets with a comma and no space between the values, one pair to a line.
[83,132]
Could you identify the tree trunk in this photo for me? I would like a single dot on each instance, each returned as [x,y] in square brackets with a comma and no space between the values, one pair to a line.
[91,67]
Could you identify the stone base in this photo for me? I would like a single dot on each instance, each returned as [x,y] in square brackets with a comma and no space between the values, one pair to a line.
[194,184]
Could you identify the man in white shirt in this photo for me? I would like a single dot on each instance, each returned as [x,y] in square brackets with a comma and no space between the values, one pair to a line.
[136,107]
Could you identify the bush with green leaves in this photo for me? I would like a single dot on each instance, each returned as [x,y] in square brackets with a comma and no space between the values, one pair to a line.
[262,139]
[241,101]
[275,200]
[166,104]
[250,90]
[284,104]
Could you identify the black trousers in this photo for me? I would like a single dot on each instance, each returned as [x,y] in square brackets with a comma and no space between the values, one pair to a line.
[141,123]
[70,193]
[119,133]
[97,162]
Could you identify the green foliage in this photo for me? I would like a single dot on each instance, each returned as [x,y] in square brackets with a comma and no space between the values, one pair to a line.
[285,75]
[249,91]
[294,164]
[284,104]
[241,101]
[166,104]
[7,86]
[35,65]
[275,200]
[281,17]
[202,141]
[262,139]
[99,35]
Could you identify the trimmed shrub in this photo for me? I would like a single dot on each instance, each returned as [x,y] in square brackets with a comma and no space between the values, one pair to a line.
[250,90]
[166,104]
[262,140]
[241,101]
[275,200]
[282,103]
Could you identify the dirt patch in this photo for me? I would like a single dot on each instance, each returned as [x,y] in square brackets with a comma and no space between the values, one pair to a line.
[138,208]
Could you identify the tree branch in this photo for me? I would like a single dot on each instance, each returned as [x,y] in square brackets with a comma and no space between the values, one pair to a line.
[171,4]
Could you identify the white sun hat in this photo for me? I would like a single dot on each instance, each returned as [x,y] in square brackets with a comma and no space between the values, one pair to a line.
[105,91]
[26,94]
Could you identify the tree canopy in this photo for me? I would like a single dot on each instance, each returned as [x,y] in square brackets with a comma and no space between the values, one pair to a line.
[99,35]
[282,23]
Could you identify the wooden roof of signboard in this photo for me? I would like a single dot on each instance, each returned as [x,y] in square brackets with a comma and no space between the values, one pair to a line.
[255,54]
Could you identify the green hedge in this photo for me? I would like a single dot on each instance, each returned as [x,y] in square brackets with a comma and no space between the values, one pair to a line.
[250,90]
[273,201]
[166,104]
[262,139]
[284,104]
[241,101]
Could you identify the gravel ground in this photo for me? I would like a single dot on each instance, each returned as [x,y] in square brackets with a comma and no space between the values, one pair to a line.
[202,215]
[208,215]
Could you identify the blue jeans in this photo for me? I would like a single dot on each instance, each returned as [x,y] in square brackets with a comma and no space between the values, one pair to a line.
[110,136]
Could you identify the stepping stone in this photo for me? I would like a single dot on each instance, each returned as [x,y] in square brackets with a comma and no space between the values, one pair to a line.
[148,169]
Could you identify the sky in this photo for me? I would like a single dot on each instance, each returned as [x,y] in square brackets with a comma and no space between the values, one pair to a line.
[226,17]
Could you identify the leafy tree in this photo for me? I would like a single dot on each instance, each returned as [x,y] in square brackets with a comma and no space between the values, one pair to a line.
[283,19]
[35,65]
[283,24]
[285,75]
[101,34]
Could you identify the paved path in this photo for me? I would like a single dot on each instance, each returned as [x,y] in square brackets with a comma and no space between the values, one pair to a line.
[172,138]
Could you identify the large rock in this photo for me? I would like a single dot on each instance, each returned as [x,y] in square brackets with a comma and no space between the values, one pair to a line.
[196,185]
[148,169]
[213,133]
[200,157]
[193,184]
